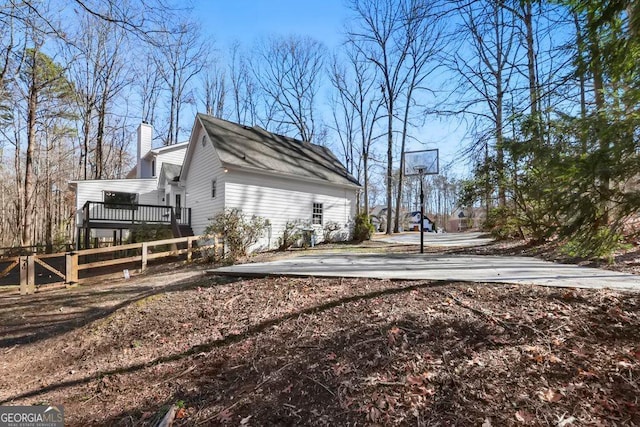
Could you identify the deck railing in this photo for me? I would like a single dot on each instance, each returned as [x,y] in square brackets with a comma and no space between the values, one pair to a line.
[134,213]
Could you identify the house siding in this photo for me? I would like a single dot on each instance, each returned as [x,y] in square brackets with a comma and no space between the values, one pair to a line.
[204,167]
[94,190]
[280,200]
[175,157]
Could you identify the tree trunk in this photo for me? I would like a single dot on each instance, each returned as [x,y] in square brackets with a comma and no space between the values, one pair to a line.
[502,196]
[27,196]
[396,225]
[604,175]
[582,80]
[172,110]
[389,165]
[85,139]
[102,111]
[531,67]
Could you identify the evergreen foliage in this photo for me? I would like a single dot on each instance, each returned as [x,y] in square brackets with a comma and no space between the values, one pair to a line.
[363,229]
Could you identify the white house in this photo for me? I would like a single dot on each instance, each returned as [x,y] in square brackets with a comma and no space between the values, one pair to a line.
[223,165]
[281,179]
[103,205]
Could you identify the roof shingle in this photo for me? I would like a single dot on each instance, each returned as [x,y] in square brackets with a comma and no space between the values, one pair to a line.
[255,148]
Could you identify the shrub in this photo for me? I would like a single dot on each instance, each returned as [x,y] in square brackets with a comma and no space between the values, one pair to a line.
[601,243]
[503,224]
[363,229]
[329,231]
[238,231]
[208,252]
[291,235]
[149,233]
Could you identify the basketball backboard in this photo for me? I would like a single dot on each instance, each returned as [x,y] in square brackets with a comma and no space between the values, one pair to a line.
[423,162]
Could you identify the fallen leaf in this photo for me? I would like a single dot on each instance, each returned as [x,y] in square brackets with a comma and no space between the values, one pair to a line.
[625,364]
[487,423]
[524,416]
[339,369]
[374,414]
[549,396]
[225,416]
[563,422]
[331,356]
[245,421]
[182,413]
[588,374]
[553,359]
[392,335]
[415,379]
[146,415]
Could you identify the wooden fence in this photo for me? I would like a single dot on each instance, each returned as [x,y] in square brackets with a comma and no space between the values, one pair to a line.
[68,272]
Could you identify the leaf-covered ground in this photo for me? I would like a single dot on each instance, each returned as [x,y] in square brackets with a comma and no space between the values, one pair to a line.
[326,352]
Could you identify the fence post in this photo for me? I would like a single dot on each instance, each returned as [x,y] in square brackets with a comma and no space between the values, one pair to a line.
[27,275]
[71,275]
[23,275]
[189,248]
[144,256]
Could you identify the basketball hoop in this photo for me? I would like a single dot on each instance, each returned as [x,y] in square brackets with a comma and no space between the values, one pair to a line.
[425,162]
[420,169]
[421,163]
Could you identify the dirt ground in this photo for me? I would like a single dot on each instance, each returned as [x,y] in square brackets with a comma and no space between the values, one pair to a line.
[285,351]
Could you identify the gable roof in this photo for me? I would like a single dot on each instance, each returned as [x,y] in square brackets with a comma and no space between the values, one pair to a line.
[171,171]
[255,148]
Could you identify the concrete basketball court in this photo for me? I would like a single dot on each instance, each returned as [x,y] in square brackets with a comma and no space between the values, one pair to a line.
[472,268]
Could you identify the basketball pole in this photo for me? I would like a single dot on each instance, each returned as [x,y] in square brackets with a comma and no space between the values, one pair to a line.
[421,174]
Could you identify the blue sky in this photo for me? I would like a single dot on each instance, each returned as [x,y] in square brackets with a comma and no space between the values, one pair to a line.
[247,21]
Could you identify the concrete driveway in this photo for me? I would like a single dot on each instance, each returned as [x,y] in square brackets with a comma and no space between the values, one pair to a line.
[503,269]
[444,240]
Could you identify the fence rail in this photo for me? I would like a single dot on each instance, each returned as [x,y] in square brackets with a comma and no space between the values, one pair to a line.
[72,263]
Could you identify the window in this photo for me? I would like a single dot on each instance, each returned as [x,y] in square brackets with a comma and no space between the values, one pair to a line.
[316,218]
[120,200]
[213,189]
[204,140]
[153,168]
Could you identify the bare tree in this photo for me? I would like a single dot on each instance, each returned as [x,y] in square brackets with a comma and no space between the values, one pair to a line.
[486,74]
[343,113]
[360,99]
[424,28]
[182,55]
[44,86]
[215,90]
[99,74]
[290,77]
[243,87]
[378,34]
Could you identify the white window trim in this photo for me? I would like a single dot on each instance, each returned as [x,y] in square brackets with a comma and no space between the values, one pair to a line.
[320,213]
